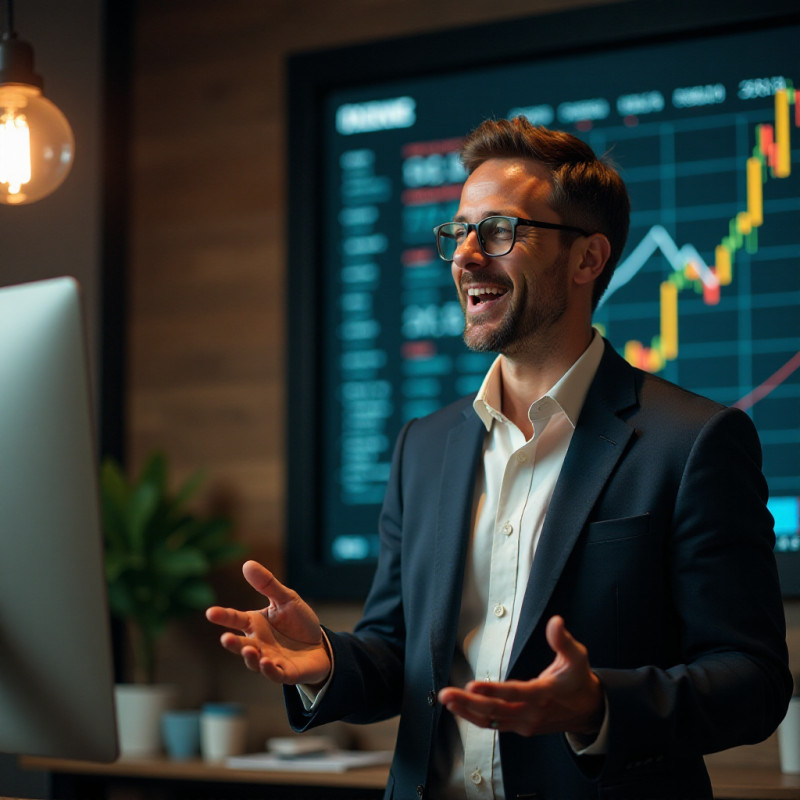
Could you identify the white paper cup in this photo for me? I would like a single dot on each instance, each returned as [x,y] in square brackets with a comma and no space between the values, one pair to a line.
[223,731]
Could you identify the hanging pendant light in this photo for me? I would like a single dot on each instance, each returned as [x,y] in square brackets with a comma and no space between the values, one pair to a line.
[36,142]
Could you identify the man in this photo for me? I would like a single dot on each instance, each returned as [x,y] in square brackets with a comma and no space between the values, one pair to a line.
[576,595]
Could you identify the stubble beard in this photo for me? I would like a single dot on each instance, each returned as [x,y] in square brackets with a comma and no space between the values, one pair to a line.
[520,325]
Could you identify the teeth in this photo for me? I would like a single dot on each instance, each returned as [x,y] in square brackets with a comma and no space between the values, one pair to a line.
[486,290]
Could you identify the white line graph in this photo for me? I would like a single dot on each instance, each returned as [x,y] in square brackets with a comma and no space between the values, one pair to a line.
[658,238]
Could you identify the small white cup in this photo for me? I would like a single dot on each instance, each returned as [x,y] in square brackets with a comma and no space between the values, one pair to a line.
[223,731]
[789,739]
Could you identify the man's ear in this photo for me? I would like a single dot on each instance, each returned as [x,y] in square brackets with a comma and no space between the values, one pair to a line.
[595,252]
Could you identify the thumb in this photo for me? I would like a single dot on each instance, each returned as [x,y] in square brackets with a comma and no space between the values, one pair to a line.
[567,649]
[265,583]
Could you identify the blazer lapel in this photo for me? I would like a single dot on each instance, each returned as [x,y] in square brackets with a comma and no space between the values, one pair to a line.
[454,517]
[599,441]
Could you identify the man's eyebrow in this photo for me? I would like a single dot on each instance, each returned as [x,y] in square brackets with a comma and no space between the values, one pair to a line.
[463,218]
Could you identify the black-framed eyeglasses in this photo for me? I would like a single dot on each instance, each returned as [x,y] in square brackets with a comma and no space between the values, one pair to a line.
[496,234]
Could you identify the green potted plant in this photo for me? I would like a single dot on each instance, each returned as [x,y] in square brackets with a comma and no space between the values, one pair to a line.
[158,556]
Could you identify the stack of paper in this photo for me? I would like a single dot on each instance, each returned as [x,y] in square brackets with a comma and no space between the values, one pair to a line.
[331,761]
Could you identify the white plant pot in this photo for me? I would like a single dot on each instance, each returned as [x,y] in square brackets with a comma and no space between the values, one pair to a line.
[139,710]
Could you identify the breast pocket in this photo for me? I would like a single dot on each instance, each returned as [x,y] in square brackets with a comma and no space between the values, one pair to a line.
[618,530]
[627,551]
[624,564]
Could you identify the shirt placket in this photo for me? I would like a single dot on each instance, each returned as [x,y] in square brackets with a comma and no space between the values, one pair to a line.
[503,595]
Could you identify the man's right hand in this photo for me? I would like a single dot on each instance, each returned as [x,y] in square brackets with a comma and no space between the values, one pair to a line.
[282,641]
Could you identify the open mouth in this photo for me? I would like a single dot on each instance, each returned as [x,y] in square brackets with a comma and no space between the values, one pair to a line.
[481,295]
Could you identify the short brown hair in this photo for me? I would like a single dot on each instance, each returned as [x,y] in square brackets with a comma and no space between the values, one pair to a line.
[587,191]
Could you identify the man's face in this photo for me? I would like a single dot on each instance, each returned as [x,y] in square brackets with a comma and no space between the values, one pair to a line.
[515,301]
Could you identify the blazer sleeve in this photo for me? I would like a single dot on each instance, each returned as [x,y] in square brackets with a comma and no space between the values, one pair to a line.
[368,664]
[732,684]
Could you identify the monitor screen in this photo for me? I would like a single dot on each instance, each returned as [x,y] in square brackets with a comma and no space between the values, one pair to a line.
[696,107]
[56,674]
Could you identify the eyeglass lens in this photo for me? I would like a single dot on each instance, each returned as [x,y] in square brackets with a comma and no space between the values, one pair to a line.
[496,236]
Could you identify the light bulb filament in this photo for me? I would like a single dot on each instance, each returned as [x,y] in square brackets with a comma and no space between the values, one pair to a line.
[15,151]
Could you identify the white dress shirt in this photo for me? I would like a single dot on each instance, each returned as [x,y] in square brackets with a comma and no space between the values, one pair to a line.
[512,494]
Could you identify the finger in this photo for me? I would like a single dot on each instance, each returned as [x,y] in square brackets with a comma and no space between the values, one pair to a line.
[510,691]
[234,643]
[475,708]
[480,718]
[244,647]
[281,670]
[251,657]
[277,671]
[265,583]
[228,617]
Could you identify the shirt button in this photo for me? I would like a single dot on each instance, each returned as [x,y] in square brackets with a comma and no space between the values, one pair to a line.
[499,610]
[508,529]
[476,776]
[521,458]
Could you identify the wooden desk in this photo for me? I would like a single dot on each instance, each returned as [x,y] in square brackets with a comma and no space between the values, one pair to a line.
[196,779]
[753,783]
[147,778]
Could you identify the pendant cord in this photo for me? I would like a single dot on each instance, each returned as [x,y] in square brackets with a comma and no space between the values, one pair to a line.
[7,20]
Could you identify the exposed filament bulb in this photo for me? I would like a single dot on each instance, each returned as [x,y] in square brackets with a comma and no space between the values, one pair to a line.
[15,153]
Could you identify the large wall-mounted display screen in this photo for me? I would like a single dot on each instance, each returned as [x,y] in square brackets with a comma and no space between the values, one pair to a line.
[703,125]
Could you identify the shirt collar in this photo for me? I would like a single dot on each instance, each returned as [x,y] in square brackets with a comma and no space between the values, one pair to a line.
[568,393]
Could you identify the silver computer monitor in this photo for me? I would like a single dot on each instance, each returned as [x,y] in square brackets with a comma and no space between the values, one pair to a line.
[56,673]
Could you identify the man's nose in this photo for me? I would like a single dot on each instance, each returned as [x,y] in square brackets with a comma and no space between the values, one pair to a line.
[469,251]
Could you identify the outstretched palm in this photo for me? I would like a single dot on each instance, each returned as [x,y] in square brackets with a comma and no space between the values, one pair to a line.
[284,640]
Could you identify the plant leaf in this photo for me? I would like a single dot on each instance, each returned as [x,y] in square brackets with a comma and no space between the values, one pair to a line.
[142,506]
[154,472]
[189,488]
[158,552]
[226,553]
[181,563]
[197,595]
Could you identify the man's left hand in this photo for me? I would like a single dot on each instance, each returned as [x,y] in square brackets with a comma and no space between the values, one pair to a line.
[567,697]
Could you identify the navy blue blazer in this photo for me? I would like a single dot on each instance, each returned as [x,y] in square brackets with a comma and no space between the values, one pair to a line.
[657,550]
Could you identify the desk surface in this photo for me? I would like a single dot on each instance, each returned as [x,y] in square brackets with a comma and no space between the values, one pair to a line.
[730,783]
[753,782]
[198,770]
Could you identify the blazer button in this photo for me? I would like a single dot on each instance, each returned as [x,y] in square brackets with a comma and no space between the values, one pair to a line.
[431,698]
